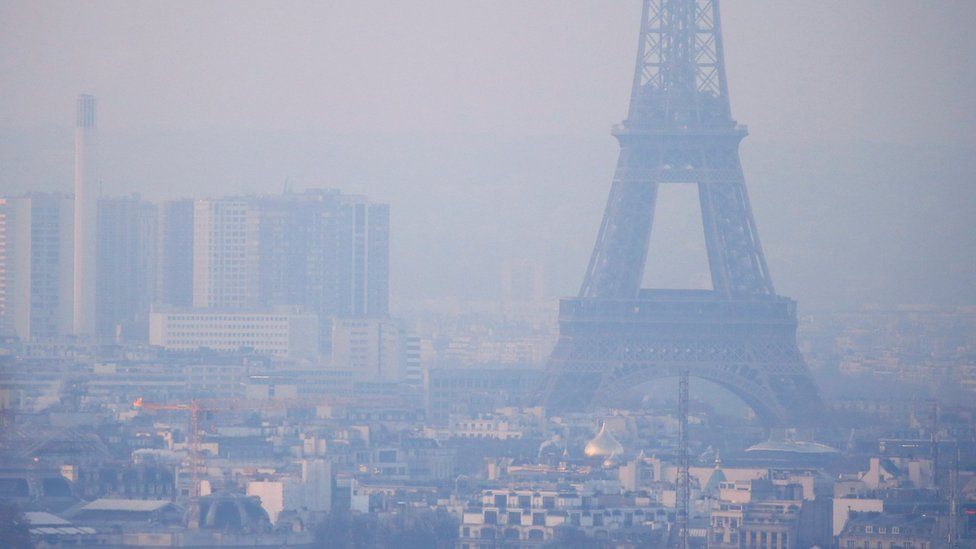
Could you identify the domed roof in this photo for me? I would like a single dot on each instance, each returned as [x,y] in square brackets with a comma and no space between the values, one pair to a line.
[237,512]
[603,444]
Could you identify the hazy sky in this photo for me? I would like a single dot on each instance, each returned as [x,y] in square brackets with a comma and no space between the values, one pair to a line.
[486,125]
[892,70]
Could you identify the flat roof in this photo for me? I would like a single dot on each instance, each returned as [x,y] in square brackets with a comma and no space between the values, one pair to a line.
[63,530]
[40,518]
[143,505]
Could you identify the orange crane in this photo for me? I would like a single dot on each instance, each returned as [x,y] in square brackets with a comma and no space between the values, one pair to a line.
[196,459]
[197,406]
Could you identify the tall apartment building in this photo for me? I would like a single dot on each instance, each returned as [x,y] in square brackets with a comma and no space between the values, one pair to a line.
[225,254]
[320,251]
[291,244]
[325,251]
[174,254]
[36,266]
[126,267]
[363,260]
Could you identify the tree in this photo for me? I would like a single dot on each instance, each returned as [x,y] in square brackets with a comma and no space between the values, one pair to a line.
[14,528]
[421,530]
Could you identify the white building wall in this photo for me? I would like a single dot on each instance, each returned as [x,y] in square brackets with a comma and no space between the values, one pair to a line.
[368,347]
[15,267]
[844,506]
[280,334]
[276,495]
[30,310]
[317,480]
[225,254]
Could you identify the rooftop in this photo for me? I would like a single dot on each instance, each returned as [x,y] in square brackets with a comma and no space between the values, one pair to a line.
[40,518]
[137,505]
[792,446]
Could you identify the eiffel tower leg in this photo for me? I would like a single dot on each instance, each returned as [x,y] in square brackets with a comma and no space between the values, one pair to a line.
[617,264]
[735,255]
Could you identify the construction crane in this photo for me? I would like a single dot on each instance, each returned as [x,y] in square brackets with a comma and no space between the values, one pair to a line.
[197,407]
[194,407]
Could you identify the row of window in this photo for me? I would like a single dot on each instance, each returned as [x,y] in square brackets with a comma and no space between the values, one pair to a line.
[234,318]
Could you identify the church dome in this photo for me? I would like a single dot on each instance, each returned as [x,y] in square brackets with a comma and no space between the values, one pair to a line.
[603,445]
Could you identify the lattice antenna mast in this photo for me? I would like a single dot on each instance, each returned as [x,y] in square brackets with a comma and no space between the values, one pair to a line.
[682,510]
[679,77]
[954,501]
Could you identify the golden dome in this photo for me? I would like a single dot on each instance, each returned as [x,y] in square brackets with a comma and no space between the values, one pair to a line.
[603,444]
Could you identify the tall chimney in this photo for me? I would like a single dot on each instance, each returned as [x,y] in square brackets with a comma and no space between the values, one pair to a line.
[86,217]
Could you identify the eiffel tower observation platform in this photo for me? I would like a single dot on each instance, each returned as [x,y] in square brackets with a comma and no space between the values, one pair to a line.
[608,348]
[674,307]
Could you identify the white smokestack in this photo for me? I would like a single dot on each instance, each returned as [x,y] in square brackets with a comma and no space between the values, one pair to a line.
[86,217]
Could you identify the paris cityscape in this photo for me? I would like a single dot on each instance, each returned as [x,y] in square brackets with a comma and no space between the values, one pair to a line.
[488,275]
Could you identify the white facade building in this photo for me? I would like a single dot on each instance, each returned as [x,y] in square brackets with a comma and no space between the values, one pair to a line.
[369,347]
[277,495]
[317,482]
[225,254]
[288,334]
[36,266]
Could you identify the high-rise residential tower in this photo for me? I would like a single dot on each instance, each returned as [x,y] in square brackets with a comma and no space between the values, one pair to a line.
[86,217]
[126,267]
[321,250]
[326,252]
[363,261]
[36,266]
[225,254]
[174,253]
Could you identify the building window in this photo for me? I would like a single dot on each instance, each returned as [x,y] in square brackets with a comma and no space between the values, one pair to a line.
[501,501]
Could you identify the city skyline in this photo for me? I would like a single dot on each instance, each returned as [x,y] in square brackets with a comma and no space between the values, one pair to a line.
[334,275]
[892,140]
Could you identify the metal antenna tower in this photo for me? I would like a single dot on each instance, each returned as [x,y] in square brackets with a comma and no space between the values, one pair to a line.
[615,335]
[682,506]
[954,501]
[937,477]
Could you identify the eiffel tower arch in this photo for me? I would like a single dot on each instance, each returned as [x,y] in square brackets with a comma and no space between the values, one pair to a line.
[616,335]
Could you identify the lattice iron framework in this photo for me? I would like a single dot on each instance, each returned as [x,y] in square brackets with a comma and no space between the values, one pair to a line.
[741,335]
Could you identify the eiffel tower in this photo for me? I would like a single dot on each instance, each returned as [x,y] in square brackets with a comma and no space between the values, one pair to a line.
[740,335]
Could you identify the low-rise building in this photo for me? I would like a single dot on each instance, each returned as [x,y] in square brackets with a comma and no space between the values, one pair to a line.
[278,333]
[876,530]
[534,518]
